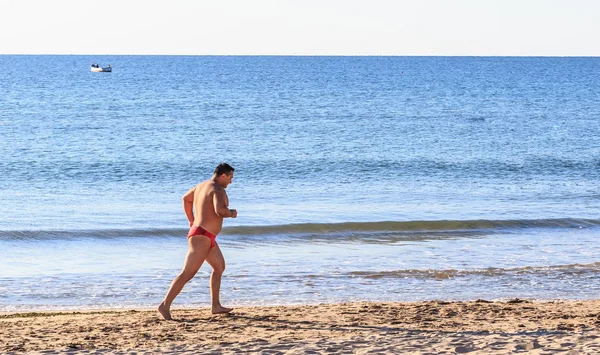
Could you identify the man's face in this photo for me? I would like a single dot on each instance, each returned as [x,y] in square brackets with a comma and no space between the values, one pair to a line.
[227,179]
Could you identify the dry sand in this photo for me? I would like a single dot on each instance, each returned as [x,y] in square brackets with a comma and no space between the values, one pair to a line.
[477,327]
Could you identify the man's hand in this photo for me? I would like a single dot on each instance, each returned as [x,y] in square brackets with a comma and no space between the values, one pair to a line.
[233,213]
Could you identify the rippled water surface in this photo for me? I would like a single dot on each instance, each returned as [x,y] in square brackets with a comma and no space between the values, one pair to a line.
[378,178]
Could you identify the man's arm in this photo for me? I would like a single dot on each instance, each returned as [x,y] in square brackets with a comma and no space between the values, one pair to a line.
[188,204]
[221,207]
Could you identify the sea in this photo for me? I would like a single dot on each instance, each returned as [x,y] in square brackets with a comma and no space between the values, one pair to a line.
[357,178]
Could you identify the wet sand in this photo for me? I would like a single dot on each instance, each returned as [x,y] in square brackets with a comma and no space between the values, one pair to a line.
[476,327]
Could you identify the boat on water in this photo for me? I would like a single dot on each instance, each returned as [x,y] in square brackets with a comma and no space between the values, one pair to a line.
[96,68]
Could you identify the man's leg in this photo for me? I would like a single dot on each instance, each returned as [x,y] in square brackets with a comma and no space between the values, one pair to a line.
[217,262]
[198,249]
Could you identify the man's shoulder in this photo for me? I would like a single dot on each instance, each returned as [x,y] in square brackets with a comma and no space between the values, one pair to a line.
[209,185]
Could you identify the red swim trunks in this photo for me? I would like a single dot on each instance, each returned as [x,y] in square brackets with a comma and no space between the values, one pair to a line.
[197,230]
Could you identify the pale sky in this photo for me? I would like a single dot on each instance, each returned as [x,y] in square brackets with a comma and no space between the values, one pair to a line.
[302,27]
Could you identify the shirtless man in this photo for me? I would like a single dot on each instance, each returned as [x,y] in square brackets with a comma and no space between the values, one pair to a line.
[205,206]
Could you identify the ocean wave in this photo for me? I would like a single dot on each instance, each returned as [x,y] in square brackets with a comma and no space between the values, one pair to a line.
[407,229]
[412,226]
[579,270]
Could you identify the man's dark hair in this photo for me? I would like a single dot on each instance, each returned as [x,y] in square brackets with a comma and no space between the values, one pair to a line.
[224,168]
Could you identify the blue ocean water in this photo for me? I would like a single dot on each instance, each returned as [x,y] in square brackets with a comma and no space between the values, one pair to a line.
[418,177]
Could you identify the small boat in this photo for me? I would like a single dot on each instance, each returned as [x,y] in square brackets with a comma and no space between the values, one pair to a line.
[96,68]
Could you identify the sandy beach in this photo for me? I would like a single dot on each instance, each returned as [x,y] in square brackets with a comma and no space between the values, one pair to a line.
[436,327]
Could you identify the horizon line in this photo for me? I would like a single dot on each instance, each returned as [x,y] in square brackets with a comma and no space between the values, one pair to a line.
[308,55]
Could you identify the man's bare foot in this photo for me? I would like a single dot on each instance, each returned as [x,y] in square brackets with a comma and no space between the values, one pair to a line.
[221,310]
[164,311]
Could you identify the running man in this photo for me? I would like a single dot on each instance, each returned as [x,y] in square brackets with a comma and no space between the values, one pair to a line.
[205,206]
